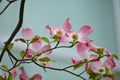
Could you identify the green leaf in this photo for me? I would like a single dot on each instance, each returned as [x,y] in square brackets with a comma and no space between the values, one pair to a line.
[10,46]
[34,39]
[1,78]
[45,59]
[45,39]
[115,56]
[55,38]
[10,77]
[22,53]
[22,40]
[100,51]
[117,73]
[89,71]
[32,78]
[109,75]
[93,76]
[80,64]
[4,67]
[107,70]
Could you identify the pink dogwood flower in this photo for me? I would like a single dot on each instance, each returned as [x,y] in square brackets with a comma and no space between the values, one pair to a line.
[75,61]
[14,73]
[27,34]
[37,49]
[100,67]
[109,62]
[60,30]
[81,36]
[82,50]
[24,76]
[37,77]
[41,51]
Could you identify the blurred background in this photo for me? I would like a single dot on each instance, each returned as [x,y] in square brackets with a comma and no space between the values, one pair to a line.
[102,15]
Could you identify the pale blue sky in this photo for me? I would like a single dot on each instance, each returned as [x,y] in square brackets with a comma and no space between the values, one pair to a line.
[38,13]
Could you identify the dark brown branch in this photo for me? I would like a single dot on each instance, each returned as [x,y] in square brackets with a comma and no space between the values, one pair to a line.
[56,47]
[19,25]
[58,69]
[5,8]
[12,55]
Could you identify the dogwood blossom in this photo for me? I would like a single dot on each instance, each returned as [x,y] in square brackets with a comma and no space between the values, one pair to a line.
[27,34]
[24,76]
[80,36]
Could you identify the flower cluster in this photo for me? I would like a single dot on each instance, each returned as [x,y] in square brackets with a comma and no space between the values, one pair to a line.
[99,63]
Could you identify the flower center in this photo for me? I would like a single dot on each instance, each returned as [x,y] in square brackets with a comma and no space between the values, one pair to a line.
[101,70]
[59,32]
[75,36]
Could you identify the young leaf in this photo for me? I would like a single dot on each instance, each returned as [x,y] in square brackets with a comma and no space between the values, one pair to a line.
[55,38]
[10,77]
[100,51]
[78,65]
[10,46]
[34,40]
[1,78]
[4,67]
[45,39]
[115,56]
[21,39]
[32,78]
[109,75]
[117,73]
[22,54]
[107,70]
[45,59]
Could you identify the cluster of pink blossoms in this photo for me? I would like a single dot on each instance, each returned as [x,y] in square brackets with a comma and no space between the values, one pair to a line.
[84,46]
[91,55]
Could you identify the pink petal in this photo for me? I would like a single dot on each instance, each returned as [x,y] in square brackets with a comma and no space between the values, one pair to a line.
[75,61]
[95,66]
[45,48]
[64,39]
[67,25]
[92,46]
[82,49]
[85,30]
[29,53]
[23,75]
[52,30]
[14,73]
[108,52]
[37,77]
[84,40]
[36,45]
[94,56]
[109,62]
[27,33]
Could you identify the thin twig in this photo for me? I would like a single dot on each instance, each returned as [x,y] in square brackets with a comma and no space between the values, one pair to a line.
[5,8]
[58,69]
[11,55]
[19,25]
[56,47]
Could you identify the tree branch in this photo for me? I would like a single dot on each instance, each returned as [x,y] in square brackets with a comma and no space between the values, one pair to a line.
[58,69]
[5,8]
[19,25]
